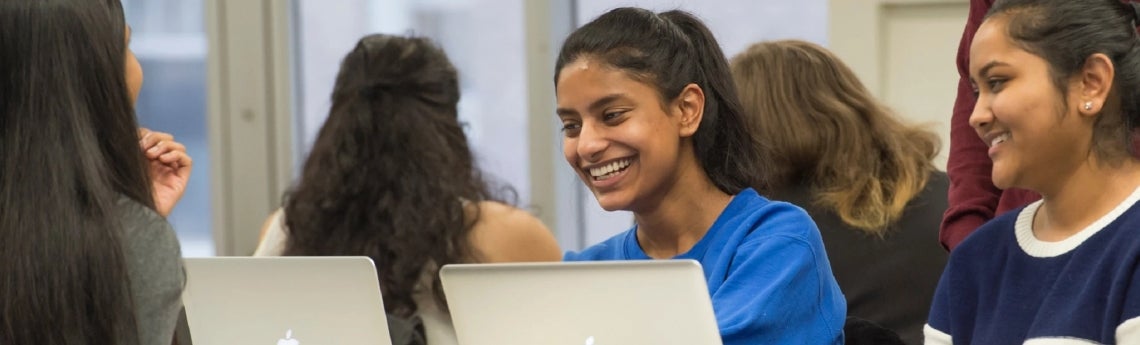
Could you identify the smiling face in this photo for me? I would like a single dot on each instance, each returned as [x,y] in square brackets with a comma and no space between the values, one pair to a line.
[624,142]
[1034,132]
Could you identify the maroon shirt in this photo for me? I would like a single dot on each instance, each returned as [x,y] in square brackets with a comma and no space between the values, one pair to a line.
[972,198]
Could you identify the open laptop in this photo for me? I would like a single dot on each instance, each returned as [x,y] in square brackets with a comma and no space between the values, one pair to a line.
[591,303]
[284,301]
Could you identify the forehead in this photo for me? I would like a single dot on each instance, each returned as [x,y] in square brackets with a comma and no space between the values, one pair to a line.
[991,42]
[587,79]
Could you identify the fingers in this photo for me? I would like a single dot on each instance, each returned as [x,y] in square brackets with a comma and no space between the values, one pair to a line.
[156,144]
[149,138]
[164,147]
[177,158]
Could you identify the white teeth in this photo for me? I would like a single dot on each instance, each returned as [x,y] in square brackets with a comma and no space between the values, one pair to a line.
[999,139]
[605,171]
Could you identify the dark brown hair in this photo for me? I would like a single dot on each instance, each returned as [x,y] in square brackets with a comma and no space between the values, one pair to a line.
[1065,33]
[669,51]
[69,154]
[390,175]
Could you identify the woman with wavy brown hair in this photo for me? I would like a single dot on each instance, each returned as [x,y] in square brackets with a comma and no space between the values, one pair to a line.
[864,175]
[391,176]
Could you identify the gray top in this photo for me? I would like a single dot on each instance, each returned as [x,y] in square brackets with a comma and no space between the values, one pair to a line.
[154,266]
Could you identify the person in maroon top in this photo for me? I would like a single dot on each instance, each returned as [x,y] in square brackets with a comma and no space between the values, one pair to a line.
[973,199]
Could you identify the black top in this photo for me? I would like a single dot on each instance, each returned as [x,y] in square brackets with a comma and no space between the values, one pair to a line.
[891,280]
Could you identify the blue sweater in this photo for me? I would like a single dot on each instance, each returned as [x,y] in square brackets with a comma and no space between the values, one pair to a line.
[767,272]
[1003,286]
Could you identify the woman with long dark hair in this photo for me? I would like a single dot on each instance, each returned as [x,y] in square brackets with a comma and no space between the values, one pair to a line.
[84,256]
[391,177]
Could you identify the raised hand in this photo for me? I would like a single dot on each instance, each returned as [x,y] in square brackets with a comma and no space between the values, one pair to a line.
[169,167]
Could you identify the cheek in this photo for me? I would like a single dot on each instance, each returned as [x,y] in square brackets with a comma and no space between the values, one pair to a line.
[1017,108]
[570,150]
[134,75]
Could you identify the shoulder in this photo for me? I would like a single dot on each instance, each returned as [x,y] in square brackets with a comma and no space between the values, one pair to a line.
[504,233]
[273,236]
[145,231]
[762,217]
[993,233]
[938,181]
[986,246]
[154,268]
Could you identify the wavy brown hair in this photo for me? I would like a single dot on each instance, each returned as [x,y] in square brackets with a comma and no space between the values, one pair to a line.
[390,175]
[821,127]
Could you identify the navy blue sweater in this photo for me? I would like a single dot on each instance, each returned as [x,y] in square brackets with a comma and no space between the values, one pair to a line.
[1003,286]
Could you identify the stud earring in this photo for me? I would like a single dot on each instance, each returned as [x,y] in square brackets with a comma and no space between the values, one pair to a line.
[1088,105]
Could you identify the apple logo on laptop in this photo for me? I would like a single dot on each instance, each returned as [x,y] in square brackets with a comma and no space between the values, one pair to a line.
[590,340]
[288,339]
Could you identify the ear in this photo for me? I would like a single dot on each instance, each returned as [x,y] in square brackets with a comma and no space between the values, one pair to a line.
[1093,83]
[689,107]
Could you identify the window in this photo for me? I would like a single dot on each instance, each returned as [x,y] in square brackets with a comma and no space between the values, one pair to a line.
[483,38]
[169,39]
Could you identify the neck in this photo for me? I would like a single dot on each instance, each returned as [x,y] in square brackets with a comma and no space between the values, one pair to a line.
[1085,195]
[682,217]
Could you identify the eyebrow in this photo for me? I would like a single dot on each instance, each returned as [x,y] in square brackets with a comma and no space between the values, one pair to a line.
[594,107]
[985,70]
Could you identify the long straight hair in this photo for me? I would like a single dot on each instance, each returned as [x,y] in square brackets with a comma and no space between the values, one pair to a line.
[823,128]
[68,153]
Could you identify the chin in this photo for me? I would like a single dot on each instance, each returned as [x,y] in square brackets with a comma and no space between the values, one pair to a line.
[1002,179]
[611,202]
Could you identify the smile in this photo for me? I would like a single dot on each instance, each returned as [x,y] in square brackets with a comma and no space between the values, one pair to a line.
[610,170]
[999,139]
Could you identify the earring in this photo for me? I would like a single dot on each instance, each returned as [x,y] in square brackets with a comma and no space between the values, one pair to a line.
[1088,105]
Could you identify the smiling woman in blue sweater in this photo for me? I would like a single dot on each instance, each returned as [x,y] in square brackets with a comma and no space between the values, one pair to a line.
[652,125]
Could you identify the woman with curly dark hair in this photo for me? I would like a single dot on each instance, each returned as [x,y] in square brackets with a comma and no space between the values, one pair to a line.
[391,176]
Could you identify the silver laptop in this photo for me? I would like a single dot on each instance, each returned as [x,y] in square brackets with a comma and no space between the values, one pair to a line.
[591,303]
[284,301]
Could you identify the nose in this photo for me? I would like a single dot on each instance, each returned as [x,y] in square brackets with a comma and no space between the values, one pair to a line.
[982,117]
[592,143]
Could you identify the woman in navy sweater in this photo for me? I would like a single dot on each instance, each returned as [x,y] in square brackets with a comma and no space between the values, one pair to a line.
[1058,84]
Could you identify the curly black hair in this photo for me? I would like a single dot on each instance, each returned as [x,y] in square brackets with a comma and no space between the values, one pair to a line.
[390,175]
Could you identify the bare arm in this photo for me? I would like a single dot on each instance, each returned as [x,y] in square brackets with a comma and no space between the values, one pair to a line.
[507,234]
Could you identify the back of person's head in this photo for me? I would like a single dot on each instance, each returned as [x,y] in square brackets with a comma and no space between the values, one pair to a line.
[670,51]
[1066,34]
[390,172]
[68,152]
[822,128]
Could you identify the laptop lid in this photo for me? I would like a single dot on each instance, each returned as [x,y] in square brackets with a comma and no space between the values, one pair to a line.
[284,301]
[591,303]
